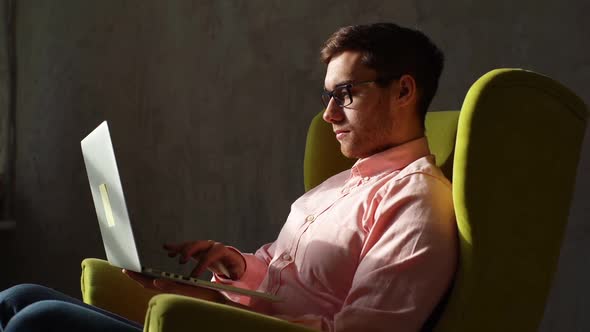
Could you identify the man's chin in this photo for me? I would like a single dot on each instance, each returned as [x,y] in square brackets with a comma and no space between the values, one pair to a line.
[347,152]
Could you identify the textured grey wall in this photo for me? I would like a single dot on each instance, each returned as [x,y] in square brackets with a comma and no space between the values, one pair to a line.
[208,103]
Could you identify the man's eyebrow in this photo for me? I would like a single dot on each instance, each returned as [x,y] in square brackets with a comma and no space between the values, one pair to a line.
[339,84]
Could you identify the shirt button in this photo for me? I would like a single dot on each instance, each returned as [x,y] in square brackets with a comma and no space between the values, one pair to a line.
[310,218]
[366,178]
[286,257]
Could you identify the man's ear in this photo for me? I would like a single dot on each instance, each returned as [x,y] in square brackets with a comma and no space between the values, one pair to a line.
[406,93]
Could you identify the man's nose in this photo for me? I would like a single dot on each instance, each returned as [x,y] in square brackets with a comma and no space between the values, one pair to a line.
[333,112]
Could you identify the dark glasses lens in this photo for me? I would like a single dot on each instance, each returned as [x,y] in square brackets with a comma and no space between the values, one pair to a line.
[326,96]
[341,96]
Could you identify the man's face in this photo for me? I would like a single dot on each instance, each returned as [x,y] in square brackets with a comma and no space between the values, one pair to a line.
[366,126]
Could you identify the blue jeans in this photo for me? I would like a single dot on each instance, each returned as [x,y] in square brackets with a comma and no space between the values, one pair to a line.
[32,308]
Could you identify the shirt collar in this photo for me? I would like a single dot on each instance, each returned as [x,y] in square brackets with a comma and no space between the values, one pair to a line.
[391,159]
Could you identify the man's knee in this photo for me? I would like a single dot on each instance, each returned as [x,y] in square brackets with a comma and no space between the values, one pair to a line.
[22,295]
[25,293]
[59,316]
[14,299]
[24,288]
[39,316]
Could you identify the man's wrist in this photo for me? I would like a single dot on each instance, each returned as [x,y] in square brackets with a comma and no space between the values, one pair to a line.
[245,265]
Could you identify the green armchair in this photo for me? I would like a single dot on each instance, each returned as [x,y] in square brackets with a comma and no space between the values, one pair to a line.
[518,139]
[518,144]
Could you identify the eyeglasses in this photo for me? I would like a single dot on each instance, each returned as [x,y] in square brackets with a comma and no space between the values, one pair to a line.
[342,94]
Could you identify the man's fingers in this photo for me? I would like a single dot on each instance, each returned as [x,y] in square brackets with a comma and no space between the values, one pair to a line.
[205,253]
[214,254]
[175,248]
[195,249]
[187,249]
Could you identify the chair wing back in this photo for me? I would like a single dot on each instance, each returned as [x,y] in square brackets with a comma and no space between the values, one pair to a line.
[323,157]
[516,155]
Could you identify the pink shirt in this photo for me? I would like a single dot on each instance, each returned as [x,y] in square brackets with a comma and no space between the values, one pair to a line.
[372,248]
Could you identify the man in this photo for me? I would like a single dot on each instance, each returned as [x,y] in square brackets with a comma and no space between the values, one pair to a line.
[371,248]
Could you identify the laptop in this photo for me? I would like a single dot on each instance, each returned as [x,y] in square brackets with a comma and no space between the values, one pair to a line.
[113,219]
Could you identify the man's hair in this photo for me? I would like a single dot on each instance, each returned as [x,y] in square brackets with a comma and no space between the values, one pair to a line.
[392,51]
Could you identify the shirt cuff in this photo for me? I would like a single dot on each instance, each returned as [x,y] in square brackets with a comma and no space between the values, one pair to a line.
[255,270]
[226,279]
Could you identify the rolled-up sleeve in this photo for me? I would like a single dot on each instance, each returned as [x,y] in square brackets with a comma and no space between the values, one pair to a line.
[256,267]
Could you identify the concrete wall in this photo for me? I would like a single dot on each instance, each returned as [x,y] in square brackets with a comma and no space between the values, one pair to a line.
[208,104]
[5,93]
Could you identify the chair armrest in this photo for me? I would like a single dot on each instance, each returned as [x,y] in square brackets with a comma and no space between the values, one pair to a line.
[174,313]
[105,286]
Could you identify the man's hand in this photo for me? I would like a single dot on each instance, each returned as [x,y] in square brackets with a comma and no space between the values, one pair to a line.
[169,286]
[209,254]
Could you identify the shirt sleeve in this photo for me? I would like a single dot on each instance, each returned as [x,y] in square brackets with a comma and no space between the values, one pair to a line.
[407,262]
[256,268]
